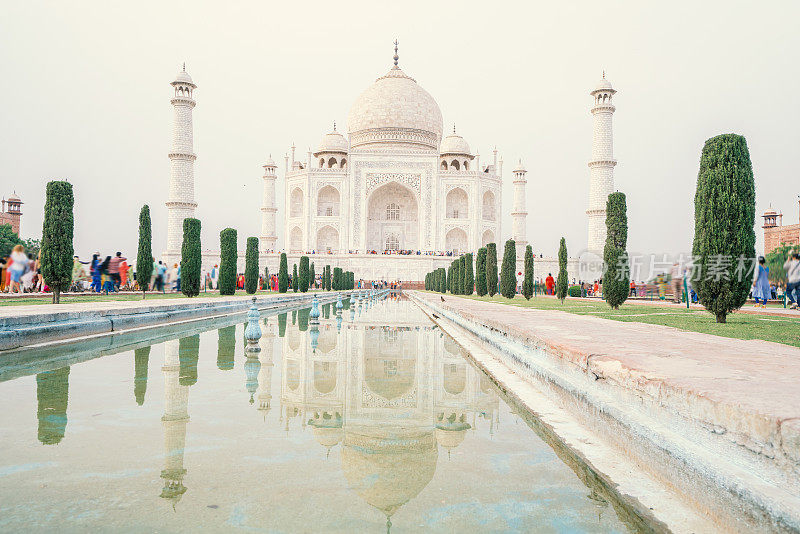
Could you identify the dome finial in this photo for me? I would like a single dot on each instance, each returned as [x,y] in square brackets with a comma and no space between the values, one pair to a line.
[334,126]
[604,74]
[454,127]
[396,57]
[184,66]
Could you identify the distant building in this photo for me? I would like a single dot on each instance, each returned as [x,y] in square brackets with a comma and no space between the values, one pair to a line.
[775,233]
[12,212]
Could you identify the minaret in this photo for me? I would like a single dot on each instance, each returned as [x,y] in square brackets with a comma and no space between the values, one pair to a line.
[601,168]
[519,216]
[176,416]
[269,238]
[181,202]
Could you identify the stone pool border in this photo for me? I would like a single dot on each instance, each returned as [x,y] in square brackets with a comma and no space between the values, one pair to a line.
[29,329]
[720,479]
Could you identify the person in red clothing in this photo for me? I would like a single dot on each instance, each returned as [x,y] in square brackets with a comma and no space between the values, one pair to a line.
[113,270]
[549,284]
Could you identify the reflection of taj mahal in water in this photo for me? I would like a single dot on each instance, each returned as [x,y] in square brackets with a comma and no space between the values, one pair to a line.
[392,399]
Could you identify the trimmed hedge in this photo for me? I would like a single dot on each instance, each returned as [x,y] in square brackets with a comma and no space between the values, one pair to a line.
[283,274]
[144,257]
[57,252]
[562,282]
[191,257]
[491,269]
[508,275]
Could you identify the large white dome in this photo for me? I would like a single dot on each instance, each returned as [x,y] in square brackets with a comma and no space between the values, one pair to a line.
[395,110]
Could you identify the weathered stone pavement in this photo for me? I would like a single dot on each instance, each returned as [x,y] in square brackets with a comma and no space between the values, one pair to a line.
[749,389]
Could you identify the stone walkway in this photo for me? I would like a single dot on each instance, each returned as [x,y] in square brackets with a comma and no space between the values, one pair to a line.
[747,308]
[747,388]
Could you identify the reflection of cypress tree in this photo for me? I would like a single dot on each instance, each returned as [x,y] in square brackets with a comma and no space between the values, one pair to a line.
[189,351]
[52,392]
[226,348]
[302,318]
[141,360]
[294,317]
[281,325]
[326,311]
[346,303]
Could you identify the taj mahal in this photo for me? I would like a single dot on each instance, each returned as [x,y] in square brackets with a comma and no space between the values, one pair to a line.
[396,196]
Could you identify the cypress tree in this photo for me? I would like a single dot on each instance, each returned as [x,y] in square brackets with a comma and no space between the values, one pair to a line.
[562,282]
[191,257]
[527,282]
[56,252]
[449,278]
[283,274]
[312,276]
[480,272]
[508,275]
[442,280]
[328,281]
[491,269]
[457,280]
[469,278]
[724,217]
[251,266]
[227,264]
[266,278]
[295,278]
[144,258]
[616,279]
[304,270]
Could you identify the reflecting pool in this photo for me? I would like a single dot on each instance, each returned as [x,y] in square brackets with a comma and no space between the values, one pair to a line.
[371,420]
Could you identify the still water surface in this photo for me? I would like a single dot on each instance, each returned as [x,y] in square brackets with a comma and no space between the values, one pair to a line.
[370,422]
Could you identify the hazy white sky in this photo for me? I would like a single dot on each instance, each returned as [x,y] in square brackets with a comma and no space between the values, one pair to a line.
[86,93]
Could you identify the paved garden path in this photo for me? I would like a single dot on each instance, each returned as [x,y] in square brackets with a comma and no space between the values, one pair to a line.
[750,388]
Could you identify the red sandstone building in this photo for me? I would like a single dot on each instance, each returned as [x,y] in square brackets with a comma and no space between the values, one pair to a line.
[12,212]
[775,233]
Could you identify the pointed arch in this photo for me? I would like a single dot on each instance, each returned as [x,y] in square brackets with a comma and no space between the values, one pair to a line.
[328,240]
[296,203]
[489,203]
[328,201]
[457,204]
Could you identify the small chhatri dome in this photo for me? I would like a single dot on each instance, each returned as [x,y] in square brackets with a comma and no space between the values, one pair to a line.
[604,85]
[270,162]
[13,197]
[333,142]
[455,144]
[183,77]
[520,167]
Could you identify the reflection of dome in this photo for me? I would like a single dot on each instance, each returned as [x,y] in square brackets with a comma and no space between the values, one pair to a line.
[454,144]
[450,439]
[387,472]
[389,378]
[327,436]
[395,110]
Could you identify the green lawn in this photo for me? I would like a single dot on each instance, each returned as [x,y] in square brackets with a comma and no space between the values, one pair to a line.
[784,330]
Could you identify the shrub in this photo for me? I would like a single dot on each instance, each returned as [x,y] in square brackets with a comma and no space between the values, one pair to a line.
[295,278]
[191,257]
[312,276]
[724,217]
[144,257]
[491,269]
[508,275]
[251,266]
[574,291]
[227,264]
[57,252]
[562,281]
[527,281]
[283,274]
[616,279]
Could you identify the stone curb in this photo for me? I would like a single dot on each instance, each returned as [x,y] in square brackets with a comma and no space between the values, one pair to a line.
[21,331]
